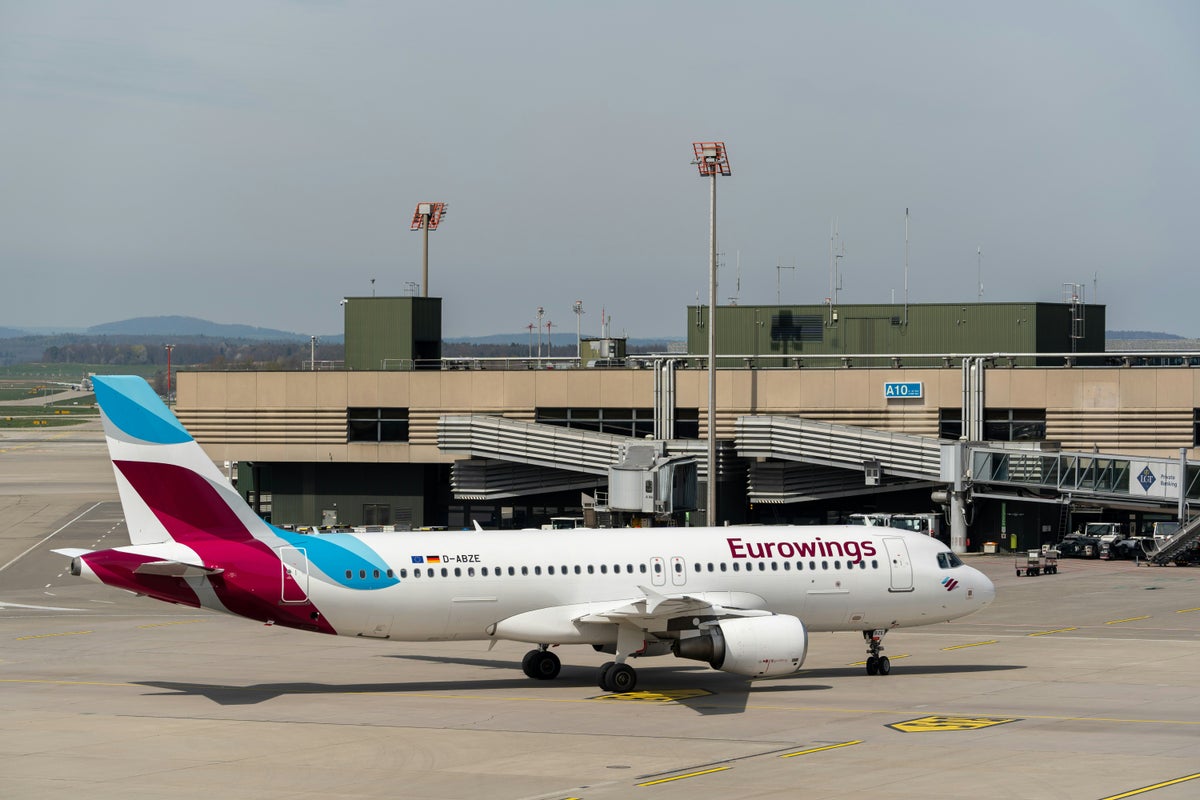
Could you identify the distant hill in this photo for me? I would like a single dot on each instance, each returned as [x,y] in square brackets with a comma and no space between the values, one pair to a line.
[11,333]
[190,326]
[1154,335]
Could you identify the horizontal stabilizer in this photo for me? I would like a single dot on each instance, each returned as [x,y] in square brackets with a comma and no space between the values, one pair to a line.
[174,569]
[71,552]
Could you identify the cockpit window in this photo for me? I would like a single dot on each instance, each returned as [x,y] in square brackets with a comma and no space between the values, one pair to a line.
[947,560]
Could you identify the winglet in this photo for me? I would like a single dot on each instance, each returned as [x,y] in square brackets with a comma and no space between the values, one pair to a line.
[653,599]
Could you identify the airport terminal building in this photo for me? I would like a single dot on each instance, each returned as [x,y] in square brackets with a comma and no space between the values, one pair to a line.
[1007,419]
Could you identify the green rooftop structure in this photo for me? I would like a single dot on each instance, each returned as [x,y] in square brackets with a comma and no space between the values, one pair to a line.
[389,333]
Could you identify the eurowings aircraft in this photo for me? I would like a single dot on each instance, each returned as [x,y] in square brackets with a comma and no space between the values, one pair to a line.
[744,600]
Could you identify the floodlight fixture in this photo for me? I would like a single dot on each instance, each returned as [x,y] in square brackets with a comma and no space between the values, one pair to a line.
[711,158]
[426,218]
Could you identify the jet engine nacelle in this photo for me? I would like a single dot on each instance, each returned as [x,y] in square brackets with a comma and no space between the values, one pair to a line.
[752,646]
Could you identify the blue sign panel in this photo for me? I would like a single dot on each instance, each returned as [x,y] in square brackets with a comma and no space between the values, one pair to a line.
[894,390]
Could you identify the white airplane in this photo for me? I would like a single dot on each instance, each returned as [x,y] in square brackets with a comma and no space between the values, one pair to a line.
[742,599]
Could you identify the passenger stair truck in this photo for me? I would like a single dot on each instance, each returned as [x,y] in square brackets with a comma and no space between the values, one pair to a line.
[1180,547]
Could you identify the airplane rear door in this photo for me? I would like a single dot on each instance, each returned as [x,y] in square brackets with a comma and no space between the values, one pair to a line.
[293,565]
[901,566]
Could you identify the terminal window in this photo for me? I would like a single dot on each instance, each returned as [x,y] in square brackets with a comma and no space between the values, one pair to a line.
[1014,424]
[637,422]
[377,425]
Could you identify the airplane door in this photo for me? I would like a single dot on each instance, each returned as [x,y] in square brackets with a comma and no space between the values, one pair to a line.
[293,565]
[658,574]
[901,566]
[678,571]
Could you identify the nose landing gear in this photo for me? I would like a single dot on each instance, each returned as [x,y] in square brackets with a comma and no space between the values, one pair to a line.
[876,664]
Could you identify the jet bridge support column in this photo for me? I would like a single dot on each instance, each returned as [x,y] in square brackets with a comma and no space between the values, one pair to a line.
[954,473]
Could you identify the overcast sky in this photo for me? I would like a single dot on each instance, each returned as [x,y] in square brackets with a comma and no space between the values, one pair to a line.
[255,162]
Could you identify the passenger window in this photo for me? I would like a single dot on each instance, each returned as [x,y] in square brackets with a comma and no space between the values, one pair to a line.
[837,564]
[416,573]
[736,566]
[591,570]
[762,566]
[874,564]
[629,568]
[577,569]
[642,568]
[429,572]
[678,568]
[537,570]
[403,573]
[362,573]
[604,569]
[390,574]
[564,569]
[824,565]
[722,566]
[483,571]
[458,572]
[774,566]
[349,574]
[710,566]
[512,571]
[524,570]
[445,572]
[470,572]
[787,566]
[375,573]
[616,569]
[812,565]
[696,568]
[657,568]
[550,570]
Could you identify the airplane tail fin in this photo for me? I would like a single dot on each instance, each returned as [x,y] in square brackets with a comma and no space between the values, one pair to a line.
[170,489]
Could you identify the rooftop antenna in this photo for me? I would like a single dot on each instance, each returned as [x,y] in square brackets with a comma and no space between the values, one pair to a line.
[906,266]
[979,255]
[779,268]
[737,290]
[372,287]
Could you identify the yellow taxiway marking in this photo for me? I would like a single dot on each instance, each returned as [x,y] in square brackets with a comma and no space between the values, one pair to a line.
[972,644]
[685,775]
[1056,630]
[819,749]
[1145,789]
[1186,610]
[861,663]
[670,696]
[940,723]
[1127,619]
[48,635]
[177,622]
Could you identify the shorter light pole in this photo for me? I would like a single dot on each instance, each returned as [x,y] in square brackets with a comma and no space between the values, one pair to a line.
[169,348]
[577,307]
[427,218]
[312,353]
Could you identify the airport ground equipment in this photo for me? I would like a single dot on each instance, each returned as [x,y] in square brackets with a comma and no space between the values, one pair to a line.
[1179,548]
[1037,562]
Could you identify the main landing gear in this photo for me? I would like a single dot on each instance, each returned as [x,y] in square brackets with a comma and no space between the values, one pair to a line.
[541,664]
[616,677]
[876,664]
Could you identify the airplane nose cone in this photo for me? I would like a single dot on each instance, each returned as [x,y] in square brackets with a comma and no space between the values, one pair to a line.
[985,591]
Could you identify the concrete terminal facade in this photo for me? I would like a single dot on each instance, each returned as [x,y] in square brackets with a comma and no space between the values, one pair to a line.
[361,445]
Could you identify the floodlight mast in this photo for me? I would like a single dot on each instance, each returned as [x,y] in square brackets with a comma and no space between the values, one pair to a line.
[427,218]
[712,160]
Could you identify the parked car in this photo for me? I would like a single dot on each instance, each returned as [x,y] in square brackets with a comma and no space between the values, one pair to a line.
[1076,545]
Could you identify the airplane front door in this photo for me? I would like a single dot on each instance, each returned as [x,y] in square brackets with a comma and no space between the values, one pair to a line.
[901,566]
[293,565]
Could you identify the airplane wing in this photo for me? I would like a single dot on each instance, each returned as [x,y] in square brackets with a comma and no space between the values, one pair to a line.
[652,611]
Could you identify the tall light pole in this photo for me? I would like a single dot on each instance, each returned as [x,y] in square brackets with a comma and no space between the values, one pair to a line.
[577,307]
[169,348]
[427,218]
[712,160]
[540,313]
[312,353]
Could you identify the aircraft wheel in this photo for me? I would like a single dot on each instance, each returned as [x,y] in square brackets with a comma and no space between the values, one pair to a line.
[885,665]
[872,665]
[541,665]
[620,678]
[602,677]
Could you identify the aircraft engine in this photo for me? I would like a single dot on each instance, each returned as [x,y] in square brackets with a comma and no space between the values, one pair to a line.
[752,646]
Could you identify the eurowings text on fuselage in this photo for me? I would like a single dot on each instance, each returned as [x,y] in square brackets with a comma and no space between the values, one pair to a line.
[742,599]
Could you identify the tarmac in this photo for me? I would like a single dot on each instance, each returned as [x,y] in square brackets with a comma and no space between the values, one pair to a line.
[1076,685]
